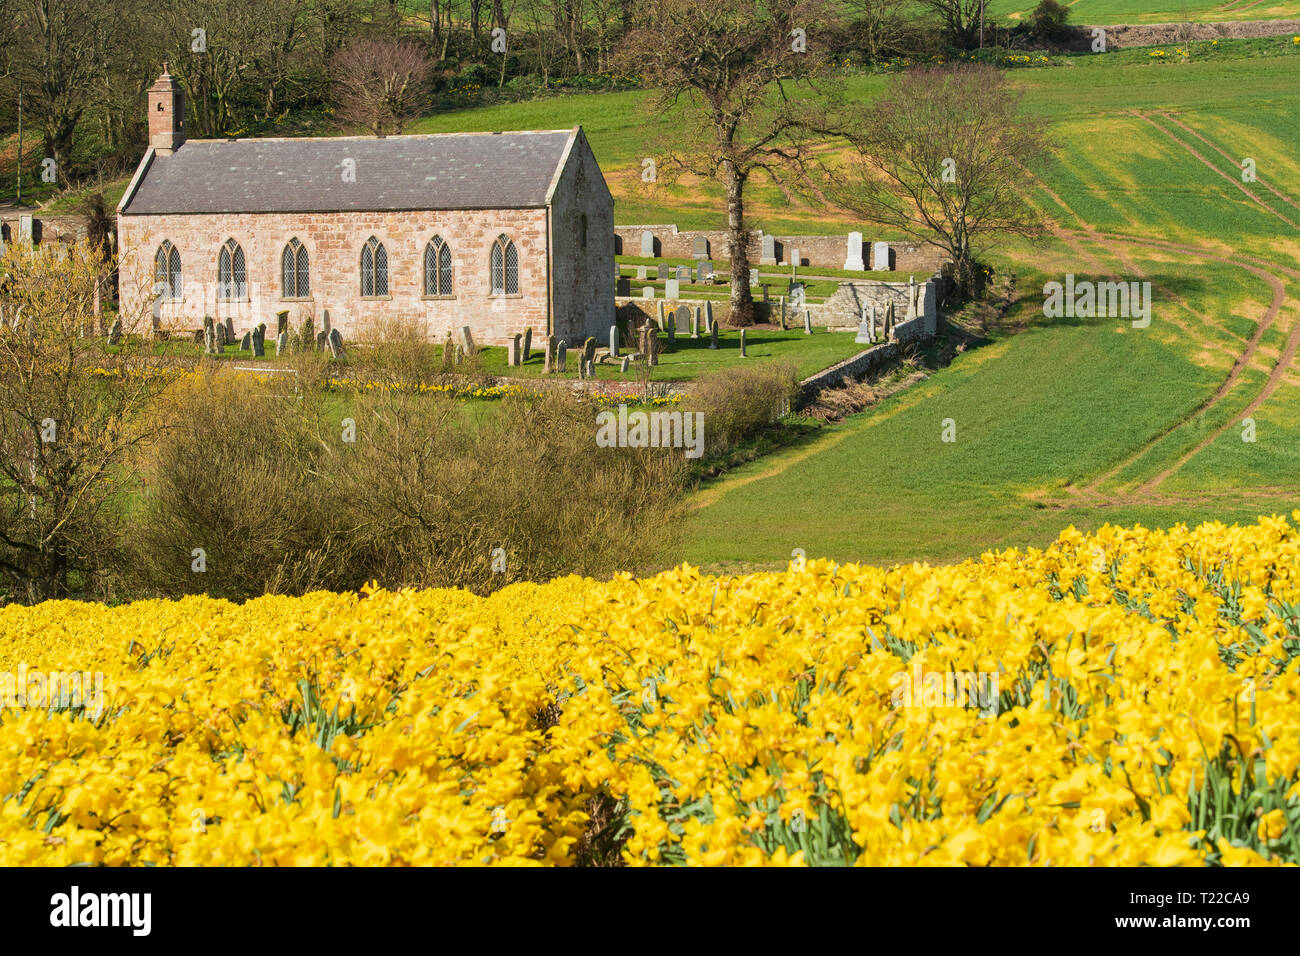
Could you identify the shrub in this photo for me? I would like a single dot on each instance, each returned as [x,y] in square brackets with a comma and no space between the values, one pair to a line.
[738,403]
[1049,19]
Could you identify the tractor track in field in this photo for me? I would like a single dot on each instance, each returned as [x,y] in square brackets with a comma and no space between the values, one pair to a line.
[1271,272]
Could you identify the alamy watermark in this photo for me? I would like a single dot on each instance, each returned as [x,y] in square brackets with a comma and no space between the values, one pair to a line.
[965,689]
[1086,299]
[61,690]
[657,429]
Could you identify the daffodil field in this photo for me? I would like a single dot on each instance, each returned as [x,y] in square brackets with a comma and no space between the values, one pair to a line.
[1147,710]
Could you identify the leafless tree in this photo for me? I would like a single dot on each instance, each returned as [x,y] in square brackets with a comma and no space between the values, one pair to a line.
[379,84]
[741,77]
[881,27]
[945,156]
[960,19]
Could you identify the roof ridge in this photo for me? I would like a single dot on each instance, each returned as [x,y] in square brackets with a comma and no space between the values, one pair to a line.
[376,139]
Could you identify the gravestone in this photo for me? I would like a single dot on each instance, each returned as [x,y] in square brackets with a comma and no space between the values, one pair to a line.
[695,322]
[589,350]
[742,344]
[889,320]
[781,299]
[682,320]
[528,344]
[866,330]
[853,258]
[708,314]
[219,336]
[768,255]
[913,301]
[613,341]
[259,340]
[671,328]
[622,367]
[683,274]
[322,340]
[880,257]
[647,244]
[641,273]
[281,343]
[753,277]
[660,311]
[209,336]
[764,291]
[713,335]
[807,322]
[562,355]
[336,343]
[512,350]
[548,362]
[25,231]
[700,248]
[465,340]
[325,322]
[246,343]
[230,328]
[796,257]
[648,292]
[705,271]
[115,332]
[281,323]
[672,289]
[623,286]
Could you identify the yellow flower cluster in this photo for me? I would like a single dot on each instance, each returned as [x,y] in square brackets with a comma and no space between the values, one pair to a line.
[1138,702]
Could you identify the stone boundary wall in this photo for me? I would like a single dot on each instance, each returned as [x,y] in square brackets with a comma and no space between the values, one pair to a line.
[826,252]
[1121,36]
[43,228]
[864,363]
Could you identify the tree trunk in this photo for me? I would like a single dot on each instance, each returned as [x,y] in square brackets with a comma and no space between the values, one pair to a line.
[742,302]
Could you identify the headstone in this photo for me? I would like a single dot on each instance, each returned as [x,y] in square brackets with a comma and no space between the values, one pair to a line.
[591,368]
[753,277]
[589,350]
[764,291]
[796,257]
[336,343]
[700,248]
[512,350]
[465,339]
[259,341]
[561,355]
[648,292]
[281,343]
[25,230]
[890,319]
[647,244]
[660,311]
[613,341]
[807,322]
[866,333]
[913,291]
[322,341]
[683,274]
[528,344]
[713,334]
[781,299]
[230,328]
[768,255]
[281,323]
[548,363]
[705,271]
[325,321]
[742,344]
[115,332]
[642,273]
[671,328]
[853,258]
[681,320]
[880,257]
[708,313]
[672,289]
[209,336]
[246,343]
[623,286]
[695,322]
[627,360]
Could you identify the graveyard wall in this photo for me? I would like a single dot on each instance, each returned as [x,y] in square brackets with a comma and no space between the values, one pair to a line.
[827,252]
[333,242]
[864,363]
[845,305]
[582,219]
[44,228]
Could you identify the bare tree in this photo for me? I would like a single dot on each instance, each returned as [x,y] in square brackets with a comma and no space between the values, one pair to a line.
[380,84]
[944,156]
[960,19]
[734,71]
[881,27]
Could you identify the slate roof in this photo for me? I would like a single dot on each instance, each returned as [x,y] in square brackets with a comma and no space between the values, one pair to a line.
[442,171]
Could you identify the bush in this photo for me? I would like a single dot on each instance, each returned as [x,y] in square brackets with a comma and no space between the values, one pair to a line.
[1049,20]
[739,403]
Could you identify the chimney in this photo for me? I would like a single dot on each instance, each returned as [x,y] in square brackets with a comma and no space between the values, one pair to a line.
[166,114]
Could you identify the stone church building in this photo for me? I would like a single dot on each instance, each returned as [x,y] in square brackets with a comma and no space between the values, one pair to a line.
[496,231]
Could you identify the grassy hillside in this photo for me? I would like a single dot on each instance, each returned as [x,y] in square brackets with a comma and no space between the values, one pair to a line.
[1154,11]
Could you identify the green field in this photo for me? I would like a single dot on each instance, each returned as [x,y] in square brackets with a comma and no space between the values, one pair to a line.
[1154,11]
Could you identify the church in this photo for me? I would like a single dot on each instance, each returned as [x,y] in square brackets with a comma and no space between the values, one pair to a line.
[499,232]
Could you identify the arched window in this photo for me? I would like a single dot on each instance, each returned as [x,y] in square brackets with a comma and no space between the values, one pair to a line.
[505,267]
[167,271]
[374,269]
[295,276]
[437,267]
[232,275]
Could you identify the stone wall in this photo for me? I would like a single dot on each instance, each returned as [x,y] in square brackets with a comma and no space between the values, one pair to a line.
[333,242]
[845,306]
[42,228]
[827,252]
[864,363]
